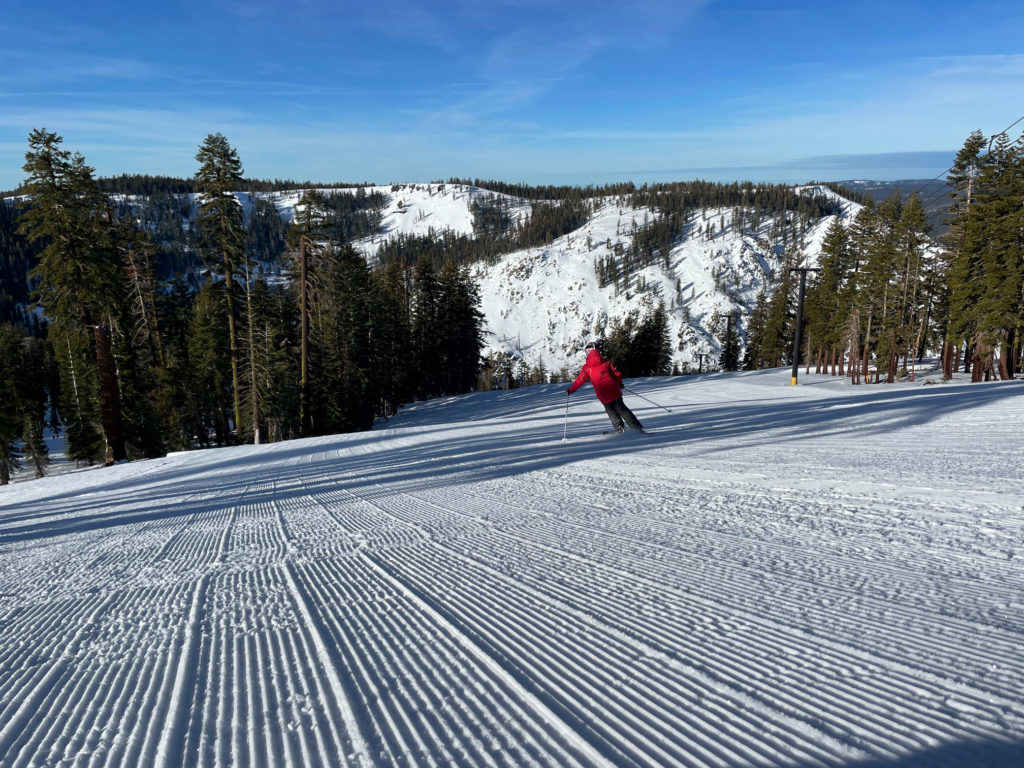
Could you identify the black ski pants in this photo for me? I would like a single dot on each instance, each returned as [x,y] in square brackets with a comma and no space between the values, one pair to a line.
[618,412]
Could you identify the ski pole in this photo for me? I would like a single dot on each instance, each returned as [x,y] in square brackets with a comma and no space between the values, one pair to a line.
[566,425]
[649,401]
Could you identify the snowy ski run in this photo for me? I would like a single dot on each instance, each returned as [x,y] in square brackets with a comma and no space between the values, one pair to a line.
[774,576]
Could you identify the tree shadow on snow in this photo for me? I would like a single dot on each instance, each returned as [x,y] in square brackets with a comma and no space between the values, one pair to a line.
[980,754]
[423,455]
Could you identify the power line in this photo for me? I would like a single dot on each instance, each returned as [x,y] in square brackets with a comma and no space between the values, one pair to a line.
[933,198]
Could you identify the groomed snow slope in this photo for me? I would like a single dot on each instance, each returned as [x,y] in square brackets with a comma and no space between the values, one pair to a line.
[812,575]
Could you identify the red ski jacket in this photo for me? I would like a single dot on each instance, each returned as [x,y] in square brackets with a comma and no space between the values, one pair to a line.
[603,375]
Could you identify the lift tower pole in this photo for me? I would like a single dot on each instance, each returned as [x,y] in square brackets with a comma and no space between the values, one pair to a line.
[799,318]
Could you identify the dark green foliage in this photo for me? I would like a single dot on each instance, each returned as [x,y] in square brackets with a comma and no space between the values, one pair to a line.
[344,347]
[831,292]
[460,331]
[425,330]
[79,386]
[353,216]
[390,333]
[265,233]
[79,282]
[209,390]
[640,346]
[729,359]
[221,222]
[757,331]
[18,257]
[78,269]
[10,430]
[274,360]
[491,217]
[985,265]
[527,192]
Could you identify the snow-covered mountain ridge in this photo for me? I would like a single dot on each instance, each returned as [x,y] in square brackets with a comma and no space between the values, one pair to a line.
[546,303]
[543,304]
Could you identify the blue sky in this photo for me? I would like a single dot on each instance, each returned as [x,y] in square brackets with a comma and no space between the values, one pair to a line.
[539,91]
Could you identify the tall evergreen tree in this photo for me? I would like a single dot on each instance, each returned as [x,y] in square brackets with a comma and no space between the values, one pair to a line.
[830,295]
[222,222]
[307,245]
[729,359]
[960,274]
[78,273]
[426,339]
[390,333]
[208,354]
[460,325]
[995,239]
[346,346]
[10,430]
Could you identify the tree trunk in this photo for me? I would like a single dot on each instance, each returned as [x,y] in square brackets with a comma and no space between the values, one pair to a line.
[304,341]
[980,360]
[253,394]
[867,351]
[229,281]
[1006,356]
[110,396]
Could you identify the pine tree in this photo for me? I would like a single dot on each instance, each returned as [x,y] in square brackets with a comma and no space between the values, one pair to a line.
[757,326]
[911,312]
[775,340]
[221,220]
[729,359]
[306,241]
[830,295]
[35,450]
[348,350]
[996,241]
[273,381]
[208,354]
[960,267]
[460,325]
[390,333]
[426,340]
[878,286]
[10,430]
[78,273]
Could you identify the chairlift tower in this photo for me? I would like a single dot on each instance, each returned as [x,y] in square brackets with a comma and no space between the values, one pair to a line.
[799,318]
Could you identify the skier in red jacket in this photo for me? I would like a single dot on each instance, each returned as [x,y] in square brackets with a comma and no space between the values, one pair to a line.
[607,383]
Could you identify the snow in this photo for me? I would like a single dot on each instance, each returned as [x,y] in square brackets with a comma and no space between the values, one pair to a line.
[776,575]
[543,304]
[414,209]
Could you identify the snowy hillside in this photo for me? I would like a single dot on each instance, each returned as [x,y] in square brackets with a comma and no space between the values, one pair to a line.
[775,576]
[410,209]
[544,304]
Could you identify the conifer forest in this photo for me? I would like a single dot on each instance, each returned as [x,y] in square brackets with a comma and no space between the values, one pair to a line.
[141,315]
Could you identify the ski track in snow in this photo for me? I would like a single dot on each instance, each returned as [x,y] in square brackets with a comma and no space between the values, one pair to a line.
[775,576]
